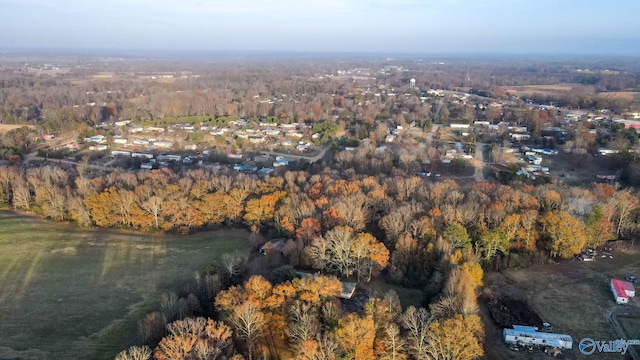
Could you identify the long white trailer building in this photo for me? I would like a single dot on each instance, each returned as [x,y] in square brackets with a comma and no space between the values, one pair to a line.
[528,335]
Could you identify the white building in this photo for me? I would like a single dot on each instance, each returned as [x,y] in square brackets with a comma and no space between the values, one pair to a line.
[142,155]
[280,161]
[256,139]
[98,139]
[120,153]
[528,335]
[622,291]
[163,144]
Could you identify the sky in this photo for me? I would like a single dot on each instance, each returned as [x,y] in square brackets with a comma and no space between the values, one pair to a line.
[593,27]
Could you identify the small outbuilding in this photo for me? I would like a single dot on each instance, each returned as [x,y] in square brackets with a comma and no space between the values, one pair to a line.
[275,245]
[622,291]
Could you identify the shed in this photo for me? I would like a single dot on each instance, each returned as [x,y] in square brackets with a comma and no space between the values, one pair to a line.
[622,291]
[348,289]
[274,245]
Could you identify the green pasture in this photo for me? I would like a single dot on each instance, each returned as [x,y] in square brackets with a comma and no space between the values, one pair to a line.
[66,293]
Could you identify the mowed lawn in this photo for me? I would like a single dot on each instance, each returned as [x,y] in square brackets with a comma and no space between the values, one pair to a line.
[66,293]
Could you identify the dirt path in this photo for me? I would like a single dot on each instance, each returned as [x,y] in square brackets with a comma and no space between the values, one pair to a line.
[613,319]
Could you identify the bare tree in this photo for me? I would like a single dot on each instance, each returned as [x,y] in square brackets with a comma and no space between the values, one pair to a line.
[303,324]
[392,345]
[249,322]
[135,353]
[416,322]
[153,206]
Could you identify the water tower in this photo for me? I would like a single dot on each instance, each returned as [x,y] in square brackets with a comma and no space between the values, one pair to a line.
[412,83]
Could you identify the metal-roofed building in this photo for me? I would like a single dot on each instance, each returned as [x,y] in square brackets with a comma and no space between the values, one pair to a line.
[622,290]
[528,335]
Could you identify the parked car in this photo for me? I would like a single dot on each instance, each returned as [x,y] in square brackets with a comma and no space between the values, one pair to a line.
[632,279]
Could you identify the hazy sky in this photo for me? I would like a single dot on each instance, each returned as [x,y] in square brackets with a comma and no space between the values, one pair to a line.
[406,26]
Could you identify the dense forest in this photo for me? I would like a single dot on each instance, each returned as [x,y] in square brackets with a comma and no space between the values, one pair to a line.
[433,237]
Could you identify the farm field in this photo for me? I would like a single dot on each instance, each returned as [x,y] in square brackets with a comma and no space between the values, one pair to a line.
[573,296]
[4,128]
[66,293]
[555,89]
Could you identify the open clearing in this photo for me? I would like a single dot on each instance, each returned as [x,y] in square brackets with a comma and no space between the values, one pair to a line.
[5,128]
[625,95]
[573,296]
[554,89]
[66,293]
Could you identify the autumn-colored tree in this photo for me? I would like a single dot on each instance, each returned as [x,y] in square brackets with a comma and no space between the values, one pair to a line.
[215,340]
[343,251]
[405,258]
[599,227]
[102,208]
[458,338]
[565,234]
[384,310]
[182,214]
[263,209]
[135,353]
[309,229]
[462,285]
[370,256]
[331,218]
[285,224]
[521,230]
[213,207]
[234,204]
[549,198]
[356,336]
[352,209]
[173,347]
[324,347]
[318,289]
[423,228]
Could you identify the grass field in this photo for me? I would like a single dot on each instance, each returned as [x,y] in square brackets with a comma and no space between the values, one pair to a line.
[66,293]
[573,296]
[631,326]
[625,95]
[4,128]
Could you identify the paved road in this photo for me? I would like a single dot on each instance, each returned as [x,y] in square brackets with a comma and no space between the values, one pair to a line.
[479,174]
[310,159]
[32,156]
